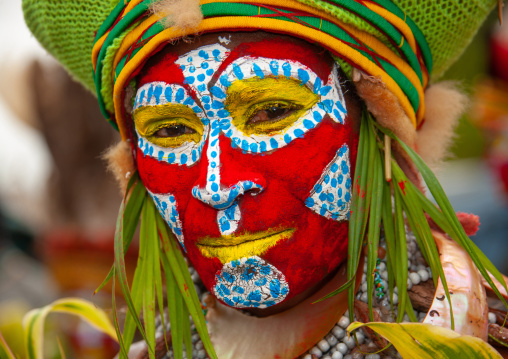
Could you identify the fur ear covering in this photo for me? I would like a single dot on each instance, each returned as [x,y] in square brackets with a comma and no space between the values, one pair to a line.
[120,163]
[444,104]
[385,107]
[182,14]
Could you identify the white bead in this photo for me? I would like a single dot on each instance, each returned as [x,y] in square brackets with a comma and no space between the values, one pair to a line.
[395,289]
[342,348]
[415,278]
[338,332]
[337,355]
[430,272]
[195,338]
[384,275]
[350,342]
[307,356]
[382,266]
[364,297]
[363,288]
[421,266]
[199,345]
[349,356]
[364,277]
[492,318]
[360,338]
[424,275]
[343,322]
[323,345]
[326,357]
[372,356]
[201,354]
[409,284]
[315,351]
[330,338]
[395,299]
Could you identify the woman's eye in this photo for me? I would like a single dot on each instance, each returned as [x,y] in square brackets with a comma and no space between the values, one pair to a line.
[173,131]
[272,113]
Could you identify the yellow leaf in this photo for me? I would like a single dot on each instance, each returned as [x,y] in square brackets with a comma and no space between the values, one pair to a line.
[33,322]
[5,351]
[426,341]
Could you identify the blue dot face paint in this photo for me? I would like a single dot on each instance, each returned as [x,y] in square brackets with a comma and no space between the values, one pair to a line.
[256,180]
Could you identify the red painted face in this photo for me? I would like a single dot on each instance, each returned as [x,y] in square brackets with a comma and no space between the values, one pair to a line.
[247,151]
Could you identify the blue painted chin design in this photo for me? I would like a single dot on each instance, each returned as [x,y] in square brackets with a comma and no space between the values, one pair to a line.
[250,283]
[331,195]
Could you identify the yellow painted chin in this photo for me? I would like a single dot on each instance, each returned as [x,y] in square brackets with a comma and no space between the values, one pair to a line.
[233,247]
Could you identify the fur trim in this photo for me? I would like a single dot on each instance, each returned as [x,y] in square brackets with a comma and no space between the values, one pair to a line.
[120,163]
[385,107]
[444,104]
[182,14]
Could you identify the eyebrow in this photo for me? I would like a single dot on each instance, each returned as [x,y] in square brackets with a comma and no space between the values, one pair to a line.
[146,114]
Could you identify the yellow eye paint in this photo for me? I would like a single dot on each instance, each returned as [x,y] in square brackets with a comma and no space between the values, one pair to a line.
[150,119]
[248,97]
[233,247]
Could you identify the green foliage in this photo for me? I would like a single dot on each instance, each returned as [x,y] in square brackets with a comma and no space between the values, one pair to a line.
[426,341]
[33,324]
[159,261]
[372,202]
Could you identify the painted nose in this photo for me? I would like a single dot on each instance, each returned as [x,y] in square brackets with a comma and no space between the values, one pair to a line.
[215,192]
[221,197]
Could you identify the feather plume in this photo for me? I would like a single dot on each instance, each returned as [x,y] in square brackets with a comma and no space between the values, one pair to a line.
[183,14]
[120,163]
[444,104]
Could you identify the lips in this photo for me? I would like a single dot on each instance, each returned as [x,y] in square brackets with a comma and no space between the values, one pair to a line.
[229,248]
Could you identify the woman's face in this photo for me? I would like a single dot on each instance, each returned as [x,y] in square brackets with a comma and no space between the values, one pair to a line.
[245,146]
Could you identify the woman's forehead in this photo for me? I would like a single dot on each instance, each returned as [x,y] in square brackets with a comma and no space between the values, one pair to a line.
[237,45]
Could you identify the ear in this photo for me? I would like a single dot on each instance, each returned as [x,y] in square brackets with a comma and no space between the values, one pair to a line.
[444,104]
[120,163]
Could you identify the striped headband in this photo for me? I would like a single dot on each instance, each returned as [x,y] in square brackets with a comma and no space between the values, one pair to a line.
[398,53]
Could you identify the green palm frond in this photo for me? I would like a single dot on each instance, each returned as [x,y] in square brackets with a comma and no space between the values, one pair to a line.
[159,257]
[426,341]
[398,203]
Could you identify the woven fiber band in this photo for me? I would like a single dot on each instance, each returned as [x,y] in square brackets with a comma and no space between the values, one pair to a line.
[400,57]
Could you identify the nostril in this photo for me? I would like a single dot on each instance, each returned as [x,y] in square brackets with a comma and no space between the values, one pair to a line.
[223,197]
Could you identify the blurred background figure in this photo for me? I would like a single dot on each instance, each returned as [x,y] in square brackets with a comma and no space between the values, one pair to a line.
[58,205]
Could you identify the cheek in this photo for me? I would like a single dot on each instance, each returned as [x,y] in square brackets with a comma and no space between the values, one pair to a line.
[300,165]
[161,177]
